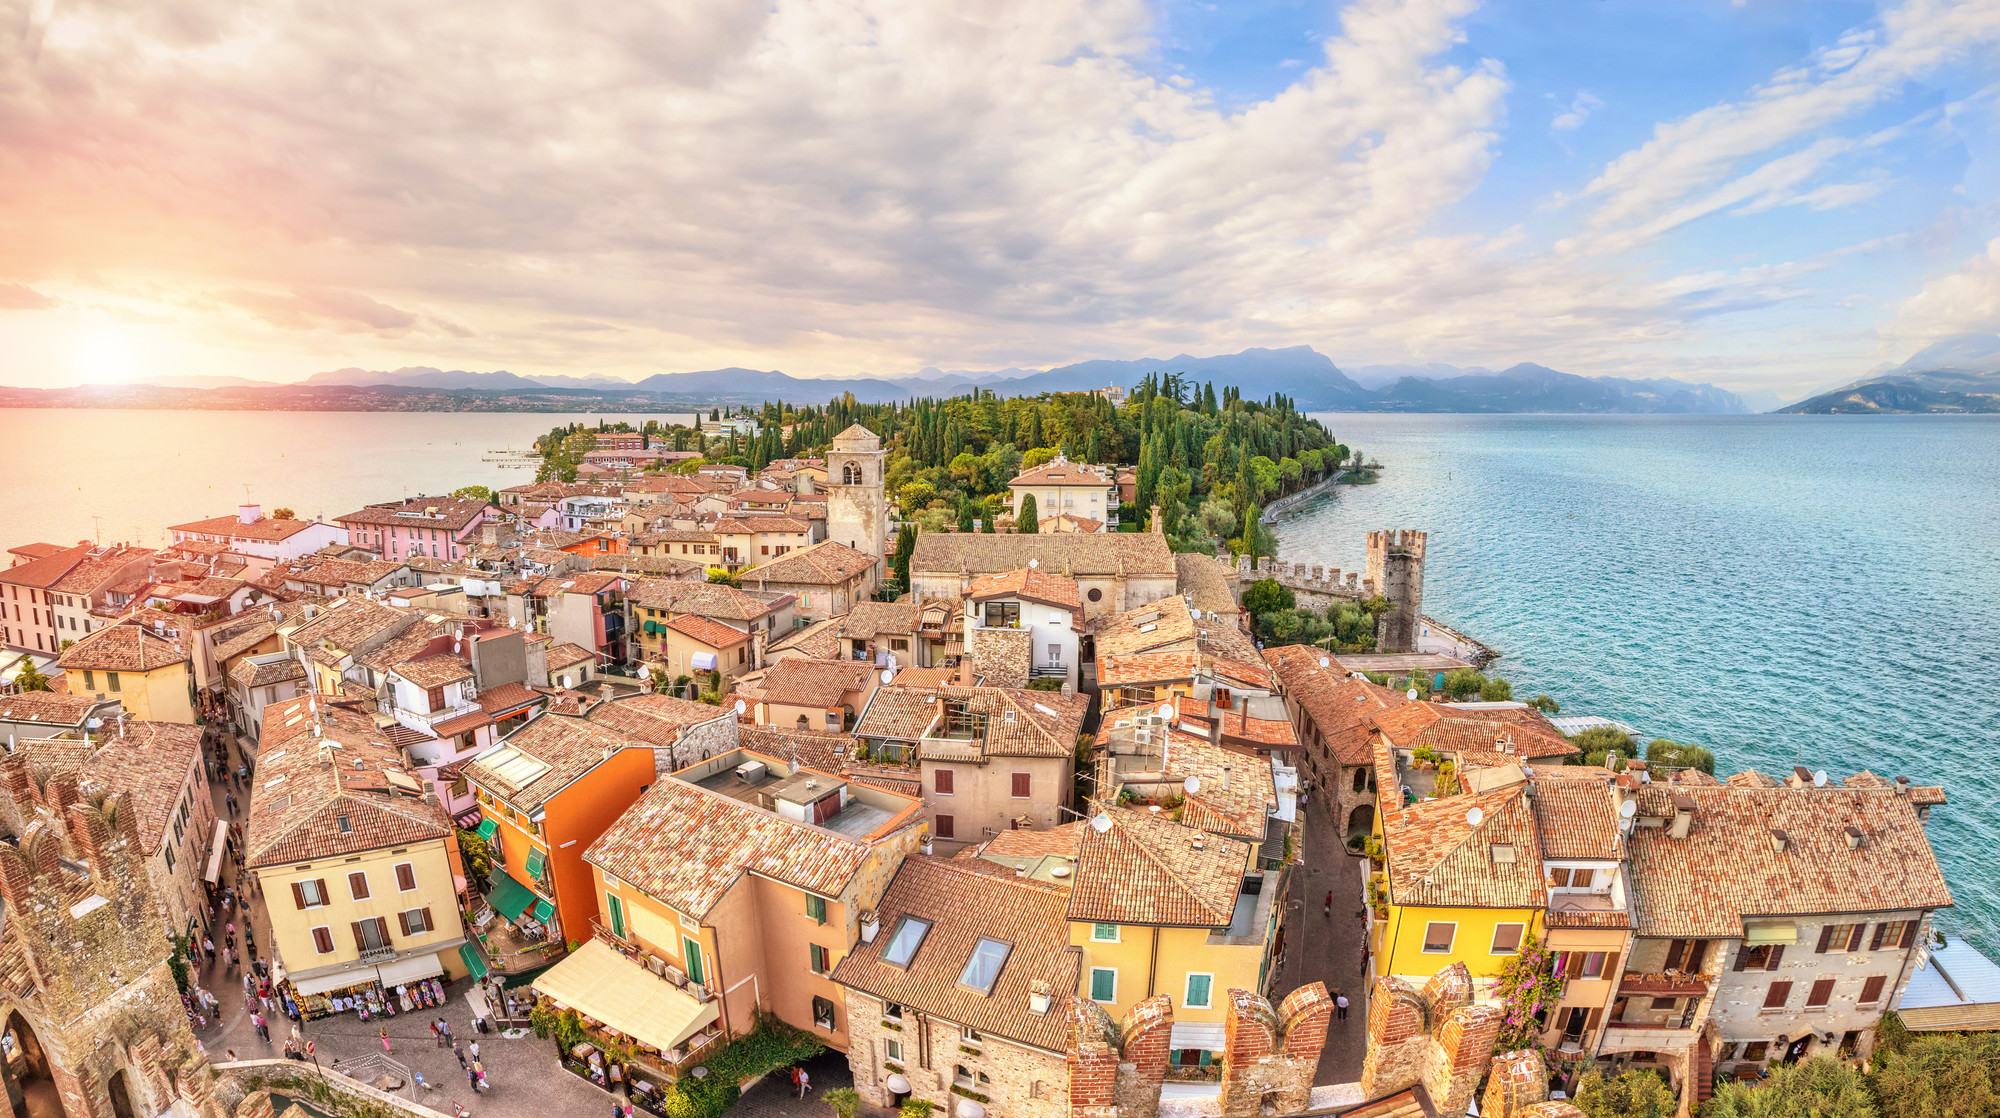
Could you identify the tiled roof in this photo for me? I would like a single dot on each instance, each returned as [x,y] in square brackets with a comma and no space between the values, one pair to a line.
[563,654]
[1063,473]
[52,707]
[1162,625]
[673,535]
[965,903]
[1206,581]
[1019,723]
[434,671]
[1145,667]
[45,571]
[1478,730]
[1071,554]
[758,524]
[899,713]
[124,647]
[347,622]
[806,748]
[1059,842]
[304,789]
[568,745]
[454,513]
[506,697]
[1751,778]
[826,563]
[819,640]
[1577,818]
[1147,870]
[867,620]
[1438,857]
[1029,584]
[657,720]
[1728,868]
[92,571]
[1070,522]
[1234,796]
[647,566]
[686,846]
[710,599]
[249,673]
[152,762]
[714,634]
[263,528]
[814,683]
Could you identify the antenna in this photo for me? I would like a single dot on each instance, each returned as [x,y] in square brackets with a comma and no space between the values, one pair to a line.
[1474,817]
[1325,662]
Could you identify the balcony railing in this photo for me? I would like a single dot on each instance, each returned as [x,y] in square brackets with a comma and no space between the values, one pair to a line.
[1048,671]
[378,954]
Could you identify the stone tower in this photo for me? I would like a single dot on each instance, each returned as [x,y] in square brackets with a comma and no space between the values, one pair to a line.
[857,505]
[1396,567]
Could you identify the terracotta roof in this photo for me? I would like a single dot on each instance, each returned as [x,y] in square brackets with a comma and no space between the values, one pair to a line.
[1751,778]
[657,720]
[964,904]
[1019,723]
[124,647]
[434,671]
[1205,581]
[310,801]
[1577,818]
[1145,667]
[1166,624]
[1728,869]
[819,640]
[806,748]
[646,566]
[30,551]
[1235,793]
[454,513]
[1439,858]
[570,746]
[867,620]
[1477,730]
[1070,522]
[1071,554]
[91,572]
[1060,842]
[1064,473]
[674,535]
[898,712]
[347,622]
[710,599]
[1029,584]
[713,634]
[249,673]
[506,698]
[54,708]
[263,528]
[1147,870]
[151,762]
[45,571]
[814,683]
[686,846]
[826,563]
[563,654]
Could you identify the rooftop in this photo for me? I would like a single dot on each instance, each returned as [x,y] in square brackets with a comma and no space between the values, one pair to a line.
[125,647]
[1028,584]
[1478,850]
[1142,869]
[340,792]
[821,684]
[1071,554]
[546,755]
[826,563]
[454,513]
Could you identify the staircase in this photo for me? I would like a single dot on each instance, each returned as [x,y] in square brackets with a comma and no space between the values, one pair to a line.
[1704,1072]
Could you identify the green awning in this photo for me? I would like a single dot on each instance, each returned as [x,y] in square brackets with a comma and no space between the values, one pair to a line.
[509,897]
[475,963]
[487,828]
[545,912]
[537,861]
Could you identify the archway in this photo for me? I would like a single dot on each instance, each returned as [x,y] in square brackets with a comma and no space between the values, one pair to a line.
[1361,820]
[121,1095]
[31,1088]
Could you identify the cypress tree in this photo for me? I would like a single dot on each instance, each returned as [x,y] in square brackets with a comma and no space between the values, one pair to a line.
[1026,523]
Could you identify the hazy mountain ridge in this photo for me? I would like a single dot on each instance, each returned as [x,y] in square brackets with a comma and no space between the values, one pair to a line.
[1957,375]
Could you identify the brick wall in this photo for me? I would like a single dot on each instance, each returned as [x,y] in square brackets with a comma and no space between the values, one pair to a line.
[1435,1038]
[1003,656]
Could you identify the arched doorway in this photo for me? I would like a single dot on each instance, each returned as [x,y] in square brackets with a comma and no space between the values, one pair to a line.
[121,1095]
[30,1087]
[1361,820]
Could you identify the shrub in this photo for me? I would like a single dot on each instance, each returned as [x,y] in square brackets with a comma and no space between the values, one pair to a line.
[1660,751]
[918,1108]
[1268,595]
[1601,743]
[1938,1073]
[845,1101]
[1639,1093]
[1496,691]
[1818,1087]
[1463,682]
[1545,704]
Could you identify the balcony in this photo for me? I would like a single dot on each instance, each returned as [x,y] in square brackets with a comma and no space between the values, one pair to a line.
[1664,985]
[378,954]
[1049,671]
[953,749]
[1646,1036]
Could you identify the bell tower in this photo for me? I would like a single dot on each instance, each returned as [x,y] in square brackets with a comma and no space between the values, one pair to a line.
[857,504]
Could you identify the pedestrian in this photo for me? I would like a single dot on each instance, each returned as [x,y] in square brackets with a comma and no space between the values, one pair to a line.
[385,1041]
[805,1083]
[1329,902]
[263,1027]
[1340,1004]
[437,1036]
[208,945]
[472,1077]
[795,1081]
[229,1055]
[475,1050]
[460,1053]
[617,1111]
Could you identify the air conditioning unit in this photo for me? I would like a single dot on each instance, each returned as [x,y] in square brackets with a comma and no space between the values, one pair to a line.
[751,772]
[657,965]
[676,976]
[1143,735]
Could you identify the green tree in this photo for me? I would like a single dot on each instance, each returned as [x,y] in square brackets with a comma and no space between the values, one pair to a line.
[476,493]
[283,514]
[478,856]
[1496,691]
[845,1101]
[1037,456]
[724,576]
[1815,1088]
[1268,594]
[916,495]
[1955,1074]
[1463,683]
[1680,755]
[31,677]
[1027,523]
[1545,704]
[1639,1093]
[899,561]
[1600,744]
[966,514]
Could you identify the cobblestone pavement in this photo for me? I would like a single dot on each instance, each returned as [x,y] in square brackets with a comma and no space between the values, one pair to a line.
[1329,950]
[772,1096]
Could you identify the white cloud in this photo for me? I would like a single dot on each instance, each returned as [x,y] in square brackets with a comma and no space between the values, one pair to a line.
[1580,108]
[1966,301]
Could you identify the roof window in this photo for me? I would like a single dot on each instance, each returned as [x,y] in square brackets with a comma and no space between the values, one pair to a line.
[983,968]
[903,943]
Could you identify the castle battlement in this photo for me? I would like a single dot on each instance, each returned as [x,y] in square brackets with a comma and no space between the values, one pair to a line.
[1395,571]
[1398,541]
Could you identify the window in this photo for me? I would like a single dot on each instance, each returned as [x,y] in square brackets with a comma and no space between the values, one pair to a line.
[1094,594]
[904,941]
[1820,994]
[1871,989]
[822,1012]
[1687,955]
[1003,615]
[892,1011]
[343,824]
[892,1051]
[111,680]
[1198,986]
[1757,1050]
[1664,1003]
[1764,956]
[1507,938]
[1598,964]
[371,935]
[969,1035]
[818,956]
[310,893]
[691,952]
[1104,984]
[406,877]
[89,678]
[323,939]
[816,908]
[1777,995]
[941,782]
[1438,936]
[1840,937]
[1021,785]
[357,885]
[982,968]
[945,827]
[1104,933]
[616,908]
[415,921]
[962,1077]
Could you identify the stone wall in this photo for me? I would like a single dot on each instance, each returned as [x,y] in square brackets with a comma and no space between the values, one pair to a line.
[1518,1087]
[1002,656]
[698,743]
[1273,1054]
[1434,1038]
[1020,1081]
[1116,1069]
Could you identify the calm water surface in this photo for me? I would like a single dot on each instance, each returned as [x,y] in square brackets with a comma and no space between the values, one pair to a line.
[1782,590]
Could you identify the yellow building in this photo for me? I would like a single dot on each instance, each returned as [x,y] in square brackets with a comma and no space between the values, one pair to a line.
[358,864]
[144,667]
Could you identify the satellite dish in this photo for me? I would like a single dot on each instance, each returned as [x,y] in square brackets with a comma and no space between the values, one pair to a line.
[740,706]
[1325,662]
[565,683]
[1411,694]
[1474,817]
[1819,779]
[1192,784]
[888,676]
[1628,809]
[645,671]
[1100,823]
[1166,710]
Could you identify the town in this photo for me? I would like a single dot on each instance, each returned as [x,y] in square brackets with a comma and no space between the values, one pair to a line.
[977,759]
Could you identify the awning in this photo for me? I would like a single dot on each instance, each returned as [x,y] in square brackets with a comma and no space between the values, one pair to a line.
[411,969]
[537,862]
[215,852]
[487,829]
[509,897]
[325,982]
[1196,1034]
[601,984]
[1757,935]
[475,963]
[545,912]
[702,661]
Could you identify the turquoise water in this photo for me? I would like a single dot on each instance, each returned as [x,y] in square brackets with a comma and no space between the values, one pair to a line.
[1787,590]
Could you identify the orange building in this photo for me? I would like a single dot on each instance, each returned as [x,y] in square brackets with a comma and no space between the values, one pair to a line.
[546,793]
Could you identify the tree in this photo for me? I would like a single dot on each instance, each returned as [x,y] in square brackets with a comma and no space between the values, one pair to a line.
[1266,595]
[1600,744]
[1026,523]
[1815,1088]
[478,857]
[1545,704]
[476,493]
[723,576]
[1679,755]
[966,515]
[1463,683]
[1639,1093]
[31,677]
[1496,691]
[1939,1073]
[1037,456]
[916,495]
[845,1101]
[899,561]
[283,514]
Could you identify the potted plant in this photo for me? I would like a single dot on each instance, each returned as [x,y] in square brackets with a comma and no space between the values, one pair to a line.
[845,1101]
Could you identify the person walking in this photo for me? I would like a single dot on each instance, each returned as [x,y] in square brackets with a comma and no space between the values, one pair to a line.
[437,1036]
[805,1083]
[208,945]
[475,1049]
[1340,1004]
[460,1053]
[795,1081]
[385,1041]
[472,1077]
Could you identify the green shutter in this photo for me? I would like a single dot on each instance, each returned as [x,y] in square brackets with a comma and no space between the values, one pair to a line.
[617,915]
[537,862]
[475,964]
[816,908]
[1197,989]
[1103,984]
[544,911]
[487,828]
[693,951]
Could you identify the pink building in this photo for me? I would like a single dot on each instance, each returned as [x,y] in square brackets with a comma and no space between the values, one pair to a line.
[439,527]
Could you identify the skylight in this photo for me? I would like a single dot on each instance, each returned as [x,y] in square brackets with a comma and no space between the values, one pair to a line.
[903,944]
[983,968]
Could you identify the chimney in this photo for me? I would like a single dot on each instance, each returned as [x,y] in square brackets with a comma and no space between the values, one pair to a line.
[1159,527]
[1038,997]
[249,514]
[1854,837]
[1779,840]
[1683,816]
[1801,776]
[1902,786]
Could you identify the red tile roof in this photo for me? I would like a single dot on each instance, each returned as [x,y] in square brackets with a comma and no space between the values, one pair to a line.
[311,800]
[453,513]
[1148,870]
[1029,584]
[263,528]
[125,647]
[714,634]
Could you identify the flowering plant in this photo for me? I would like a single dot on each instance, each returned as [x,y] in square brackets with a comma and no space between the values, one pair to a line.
[1527,990]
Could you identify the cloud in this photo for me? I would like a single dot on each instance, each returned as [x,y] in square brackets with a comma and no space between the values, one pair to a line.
[1966,301]
[321,309]
[1580,108]
[17,297]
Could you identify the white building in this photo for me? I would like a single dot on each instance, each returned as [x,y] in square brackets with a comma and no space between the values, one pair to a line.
[262,540]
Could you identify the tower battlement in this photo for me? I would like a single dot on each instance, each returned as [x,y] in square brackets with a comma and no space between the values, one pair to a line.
[1397,541]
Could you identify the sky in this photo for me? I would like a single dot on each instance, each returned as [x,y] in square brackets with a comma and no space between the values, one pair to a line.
[1769,196]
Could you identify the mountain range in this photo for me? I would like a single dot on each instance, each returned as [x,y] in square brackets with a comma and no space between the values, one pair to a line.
[1308,377]
[1959,374]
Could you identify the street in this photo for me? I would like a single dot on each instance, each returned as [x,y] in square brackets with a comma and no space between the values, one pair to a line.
[1329,950]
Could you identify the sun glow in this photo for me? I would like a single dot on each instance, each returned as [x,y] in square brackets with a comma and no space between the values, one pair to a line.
[107,353]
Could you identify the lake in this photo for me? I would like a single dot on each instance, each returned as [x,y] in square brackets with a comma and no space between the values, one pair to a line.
[1784,590]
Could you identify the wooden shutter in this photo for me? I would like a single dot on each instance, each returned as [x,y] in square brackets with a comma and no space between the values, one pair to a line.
[435,696]
[1820,994]
[403,921]
[1825,939]
[357,885]
[382,926]
[298,894]
[1871,990]
[1020,786]
[1909,933]
[360,941]
[1881,933]
[1854,937]
[1777,956]
[406,876]
[323,940]
[1676,953]
[1611,965]
[944,827]
[1742,957]
[429,924]
[942,781]
[1778,995]
[1697,956]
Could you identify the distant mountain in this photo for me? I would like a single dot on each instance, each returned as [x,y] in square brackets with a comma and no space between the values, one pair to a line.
[1381,376]
[1529,387]
[1956,375]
